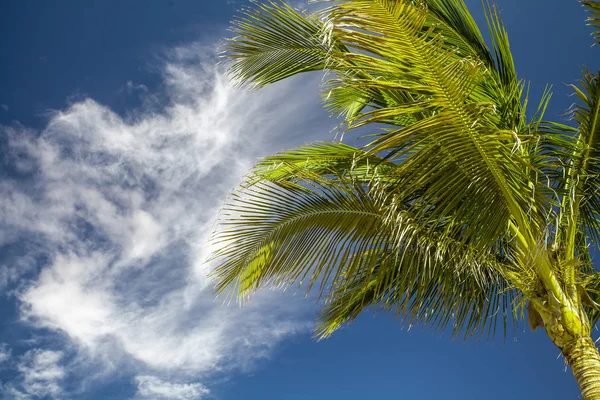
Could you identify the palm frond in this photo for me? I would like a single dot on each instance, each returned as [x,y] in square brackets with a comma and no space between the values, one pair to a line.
[470,305]
[274,41]
[277,234]
[587,169]
[455,159]
[343,238]
[329,160]
[503,59]
[458,203]
[581,189]
[452,19]
[589,289]
[593,8]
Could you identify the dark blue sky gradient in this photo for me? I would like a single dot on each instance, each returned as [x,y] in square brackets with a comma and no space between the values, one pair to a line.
[60,52]
[54,53]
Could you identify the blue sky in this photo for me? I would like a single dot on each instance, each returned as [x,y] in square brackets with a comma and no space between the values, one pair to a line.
[120,138]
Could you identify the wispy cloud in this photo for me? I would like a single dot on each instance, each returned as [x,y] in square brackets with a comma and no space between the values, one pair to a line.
[121,208]
[131,87]
[151,387]
[40,376]
[5,352]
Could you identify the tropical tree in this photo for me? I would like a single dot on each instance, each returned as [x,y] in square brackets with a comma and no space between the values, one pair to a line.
[465,211]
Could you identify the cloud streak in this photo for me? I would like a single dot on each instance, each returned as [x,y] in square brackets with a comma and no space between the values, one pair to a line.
[5,352]
[41,375]
[121,207]
[151,387]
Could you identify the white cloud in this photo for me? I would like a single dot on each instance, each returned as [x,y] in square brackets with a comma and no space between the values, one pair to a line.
[151,387]
[11,273]
[5,352]
[122,206]
[133,87]
[41,375]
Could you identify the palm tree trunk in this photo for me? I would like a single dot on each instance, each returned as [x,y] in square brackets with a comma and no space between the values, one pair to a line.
[583,358]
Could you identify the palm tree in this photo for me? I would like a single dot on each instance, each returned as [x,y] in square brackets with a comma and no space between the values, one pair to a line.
[464,210]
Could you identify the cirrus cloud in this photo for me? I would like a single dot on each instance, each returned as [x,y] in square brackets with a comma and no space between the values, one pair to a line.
[121,207]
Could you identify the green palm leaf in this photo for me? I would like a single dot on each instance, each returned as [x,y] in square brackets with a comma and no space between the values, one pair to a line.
[325,162]
[593,7]
[455,140]
[460,169]
[585,187]
[274,41]
[342,238]
[461,212]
